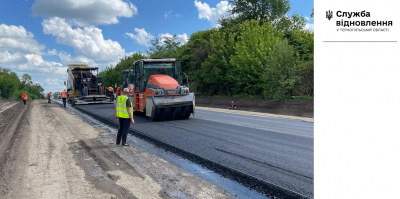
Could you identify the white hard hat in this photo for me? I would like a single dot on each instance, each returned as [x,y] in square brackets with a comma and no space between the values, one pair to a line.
[126,90]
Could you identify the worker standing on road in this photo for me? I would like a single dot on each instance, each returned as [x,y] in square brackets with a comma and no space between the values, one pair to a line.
[64,97]
[48,97]
[110,92]
[24,98]
[123,113]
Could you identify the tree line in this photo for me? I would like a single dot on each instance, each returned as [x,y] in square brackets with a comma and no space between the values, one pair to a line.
[12,87]
[257,52]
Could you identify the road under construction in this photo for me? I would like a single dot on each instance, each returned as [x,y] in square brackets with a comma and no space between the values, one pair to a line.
[273,156]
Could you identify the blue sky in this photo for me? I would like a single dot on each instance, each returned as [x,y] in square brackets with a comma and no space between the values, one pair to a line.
[40,37]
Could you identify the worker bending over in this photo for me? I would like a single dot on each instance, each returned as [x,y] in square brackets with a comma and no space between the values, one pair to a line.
[233,106]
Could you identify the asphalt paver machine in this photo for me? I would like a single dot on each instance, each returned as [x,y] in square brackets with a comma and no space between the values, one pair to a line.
[84,86]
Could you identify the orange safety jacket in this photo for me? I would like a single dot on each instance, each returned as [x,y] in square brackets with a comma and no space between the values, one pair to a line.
[48,95]
[129,89]
[63,94]
[118,92]
[24,96]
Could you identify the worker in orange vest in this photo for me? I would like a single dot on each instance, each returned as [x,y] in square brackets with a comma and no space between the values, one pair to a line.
[130,92]
[233,106]
[48,96]
[24,98]
[118,92]
[64,97]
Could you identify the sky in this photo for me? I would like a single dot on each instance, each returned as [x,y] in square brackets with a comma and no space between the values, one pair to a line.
[41,37]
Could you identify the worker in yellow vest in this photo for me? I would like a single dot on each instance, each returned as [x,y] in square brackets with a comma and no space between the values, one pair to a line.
[123,113]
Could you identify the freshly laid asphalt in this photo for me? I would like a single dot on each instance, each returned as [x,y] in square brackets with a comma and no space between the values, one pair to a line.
[279,151]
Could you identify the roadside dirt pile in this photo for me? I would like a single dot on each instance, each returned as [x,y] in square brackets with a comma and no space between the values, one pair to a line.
[294,107]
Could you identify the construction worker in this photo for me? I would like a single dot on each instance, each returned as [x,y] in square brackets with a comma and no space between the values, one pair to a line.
[129,88]
[110,90]
[64,97]
[123,113]
[118,92]
[24,98]
[48,96]
[233,106]
[86,91]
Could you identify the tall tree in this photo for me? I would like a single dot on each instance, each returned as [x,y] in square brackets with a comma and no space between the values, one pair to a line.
[260,10]
[252,49]
[280,72]
[9,82]
[165,48]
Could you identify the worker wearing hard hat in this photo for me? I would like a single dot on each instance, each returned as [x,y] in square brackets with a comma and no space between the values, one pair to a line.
[123,113]
[110,89]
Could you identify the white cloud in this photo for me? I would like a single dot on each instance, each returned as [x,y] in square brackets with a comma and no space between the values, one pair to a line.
[84,12]
[53,82]
[310,27]
[87,42]
[183,38]
[17,39]
[212,14]
[6,58]
[167,13]
[142,37]
[67,58]
[20,52]
[178,15]
[52,52]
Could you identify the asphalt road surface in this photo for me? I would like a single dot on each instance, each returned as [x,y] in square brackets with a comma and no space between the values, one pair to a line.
[279,151]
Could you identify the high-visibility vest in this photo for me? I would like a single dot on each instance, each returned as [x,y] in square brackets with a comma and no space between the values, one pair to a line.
[63,94]
[122,112]
[24,96]
[48,95]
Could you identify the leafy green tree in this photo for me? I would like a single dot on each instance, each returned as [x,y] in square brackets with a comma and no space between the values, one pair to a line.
[280,71]
[112,75]
[194,53]
[26,79]
[216,74]
[253,48]
[168,48]
[260,10]
[9,82]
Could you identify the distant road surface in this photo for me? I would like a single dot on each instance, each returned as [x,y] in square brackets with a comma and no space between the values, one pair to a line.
[279,151]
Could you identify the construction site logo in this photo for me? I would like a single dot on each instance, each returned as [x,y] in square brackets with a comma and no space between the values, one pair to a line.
[329,14]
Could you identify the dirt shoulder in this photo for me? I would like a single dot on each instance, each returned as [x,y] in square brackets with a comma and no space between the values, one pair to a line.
[292,107]
[51,152]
